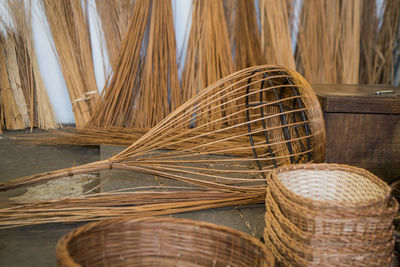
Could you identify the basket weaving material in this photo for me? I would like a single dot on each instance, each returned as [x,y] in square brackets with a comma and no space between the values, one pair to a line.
[329,215]
[160,242]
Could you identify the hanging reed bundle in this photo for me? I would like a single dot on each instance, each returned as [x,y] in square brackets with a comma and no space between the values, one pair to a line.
[349,41]
[276,40]
[383,60]
[19,29]
[277,121]
[118,98]
[115,17]
[10,116]
[247,41]
[159,88]
[15,81]
[208,57]
[317,42]
[115,204]
[69,27]
[369,33]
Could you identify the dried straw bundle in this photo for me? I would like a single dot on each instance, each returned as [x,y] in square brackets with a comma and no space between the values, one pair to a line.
[15,81]
[145,85]
[118,98]
[247,41]
[208,57]
[19,30]
[87,137]
[10,116]
[116,204]
[349,42]
[317,43]
[159,89]
[277,121]
[369,33]
[276,40]
[383,60]
[69,26]
[115,17]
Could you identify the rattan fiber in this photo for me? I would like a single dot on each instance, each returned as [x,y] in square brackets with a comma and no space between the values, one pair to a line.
[160,241]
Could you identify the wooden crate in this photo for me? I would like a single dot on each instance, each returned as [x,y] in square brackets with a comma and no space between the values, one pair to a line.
[363,128]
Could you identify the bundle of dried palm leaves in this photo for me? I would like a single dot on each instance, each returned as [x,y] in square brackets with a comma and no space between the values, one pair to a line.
[276,120]
[69,26]
[19,37]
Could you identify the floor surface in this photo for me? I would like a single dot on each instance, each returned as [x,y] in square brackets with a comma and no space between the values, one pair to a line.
[34,245]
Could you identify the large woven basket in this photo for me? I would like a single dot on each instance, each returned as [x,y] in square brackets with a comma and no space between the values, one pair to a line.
[329,214]
[160,241]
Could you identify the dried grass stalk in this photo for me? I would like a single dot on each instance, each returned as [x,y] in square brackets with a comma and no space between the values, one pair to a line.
[385,45]
[115,16]
[10,115]
[159,89]
[208,56]
[69,26]
[15,81]
[318,43]
[118,204]
[19,30]
[118,98]
[247,41]
[276,40]
[369,34]
[349,61]
[277,121]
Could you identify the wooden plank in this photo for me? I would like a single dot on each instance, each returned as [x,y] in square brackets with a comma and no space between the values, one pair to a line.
[370,141]
[358,98]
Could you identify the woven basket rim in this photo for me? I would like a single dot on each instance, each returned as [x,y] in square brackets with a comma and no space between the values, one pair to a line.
[63,253]
[329,204]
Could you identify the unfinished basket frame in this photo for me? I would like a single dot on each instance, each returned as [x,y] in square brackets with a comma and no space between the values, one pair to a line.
[228,137]
[160,241]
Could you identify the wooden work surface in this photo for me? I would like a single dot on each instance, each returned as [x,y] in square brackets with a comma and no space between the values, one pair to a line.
[363,128]
[358,98]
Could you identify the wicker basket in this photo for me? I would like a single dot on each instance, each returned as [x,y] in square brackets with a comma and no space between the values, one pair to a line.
[160,241]
[329,214]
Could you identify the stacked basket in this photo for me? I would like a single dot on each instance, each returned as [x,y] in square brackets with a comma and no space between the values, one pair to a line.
[329,215]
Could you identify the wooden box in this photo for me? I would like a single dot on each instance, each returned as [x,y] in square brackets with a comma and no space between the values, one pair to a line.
[363,126]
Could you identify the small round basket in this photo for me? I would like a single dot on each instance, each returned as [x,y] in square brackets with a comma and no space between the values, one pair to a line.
[329,214]
[160,241]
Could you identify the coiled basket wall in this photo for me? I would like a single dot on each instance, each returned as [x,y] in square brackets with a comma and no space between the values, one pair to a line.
[160,241]
[329,215]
